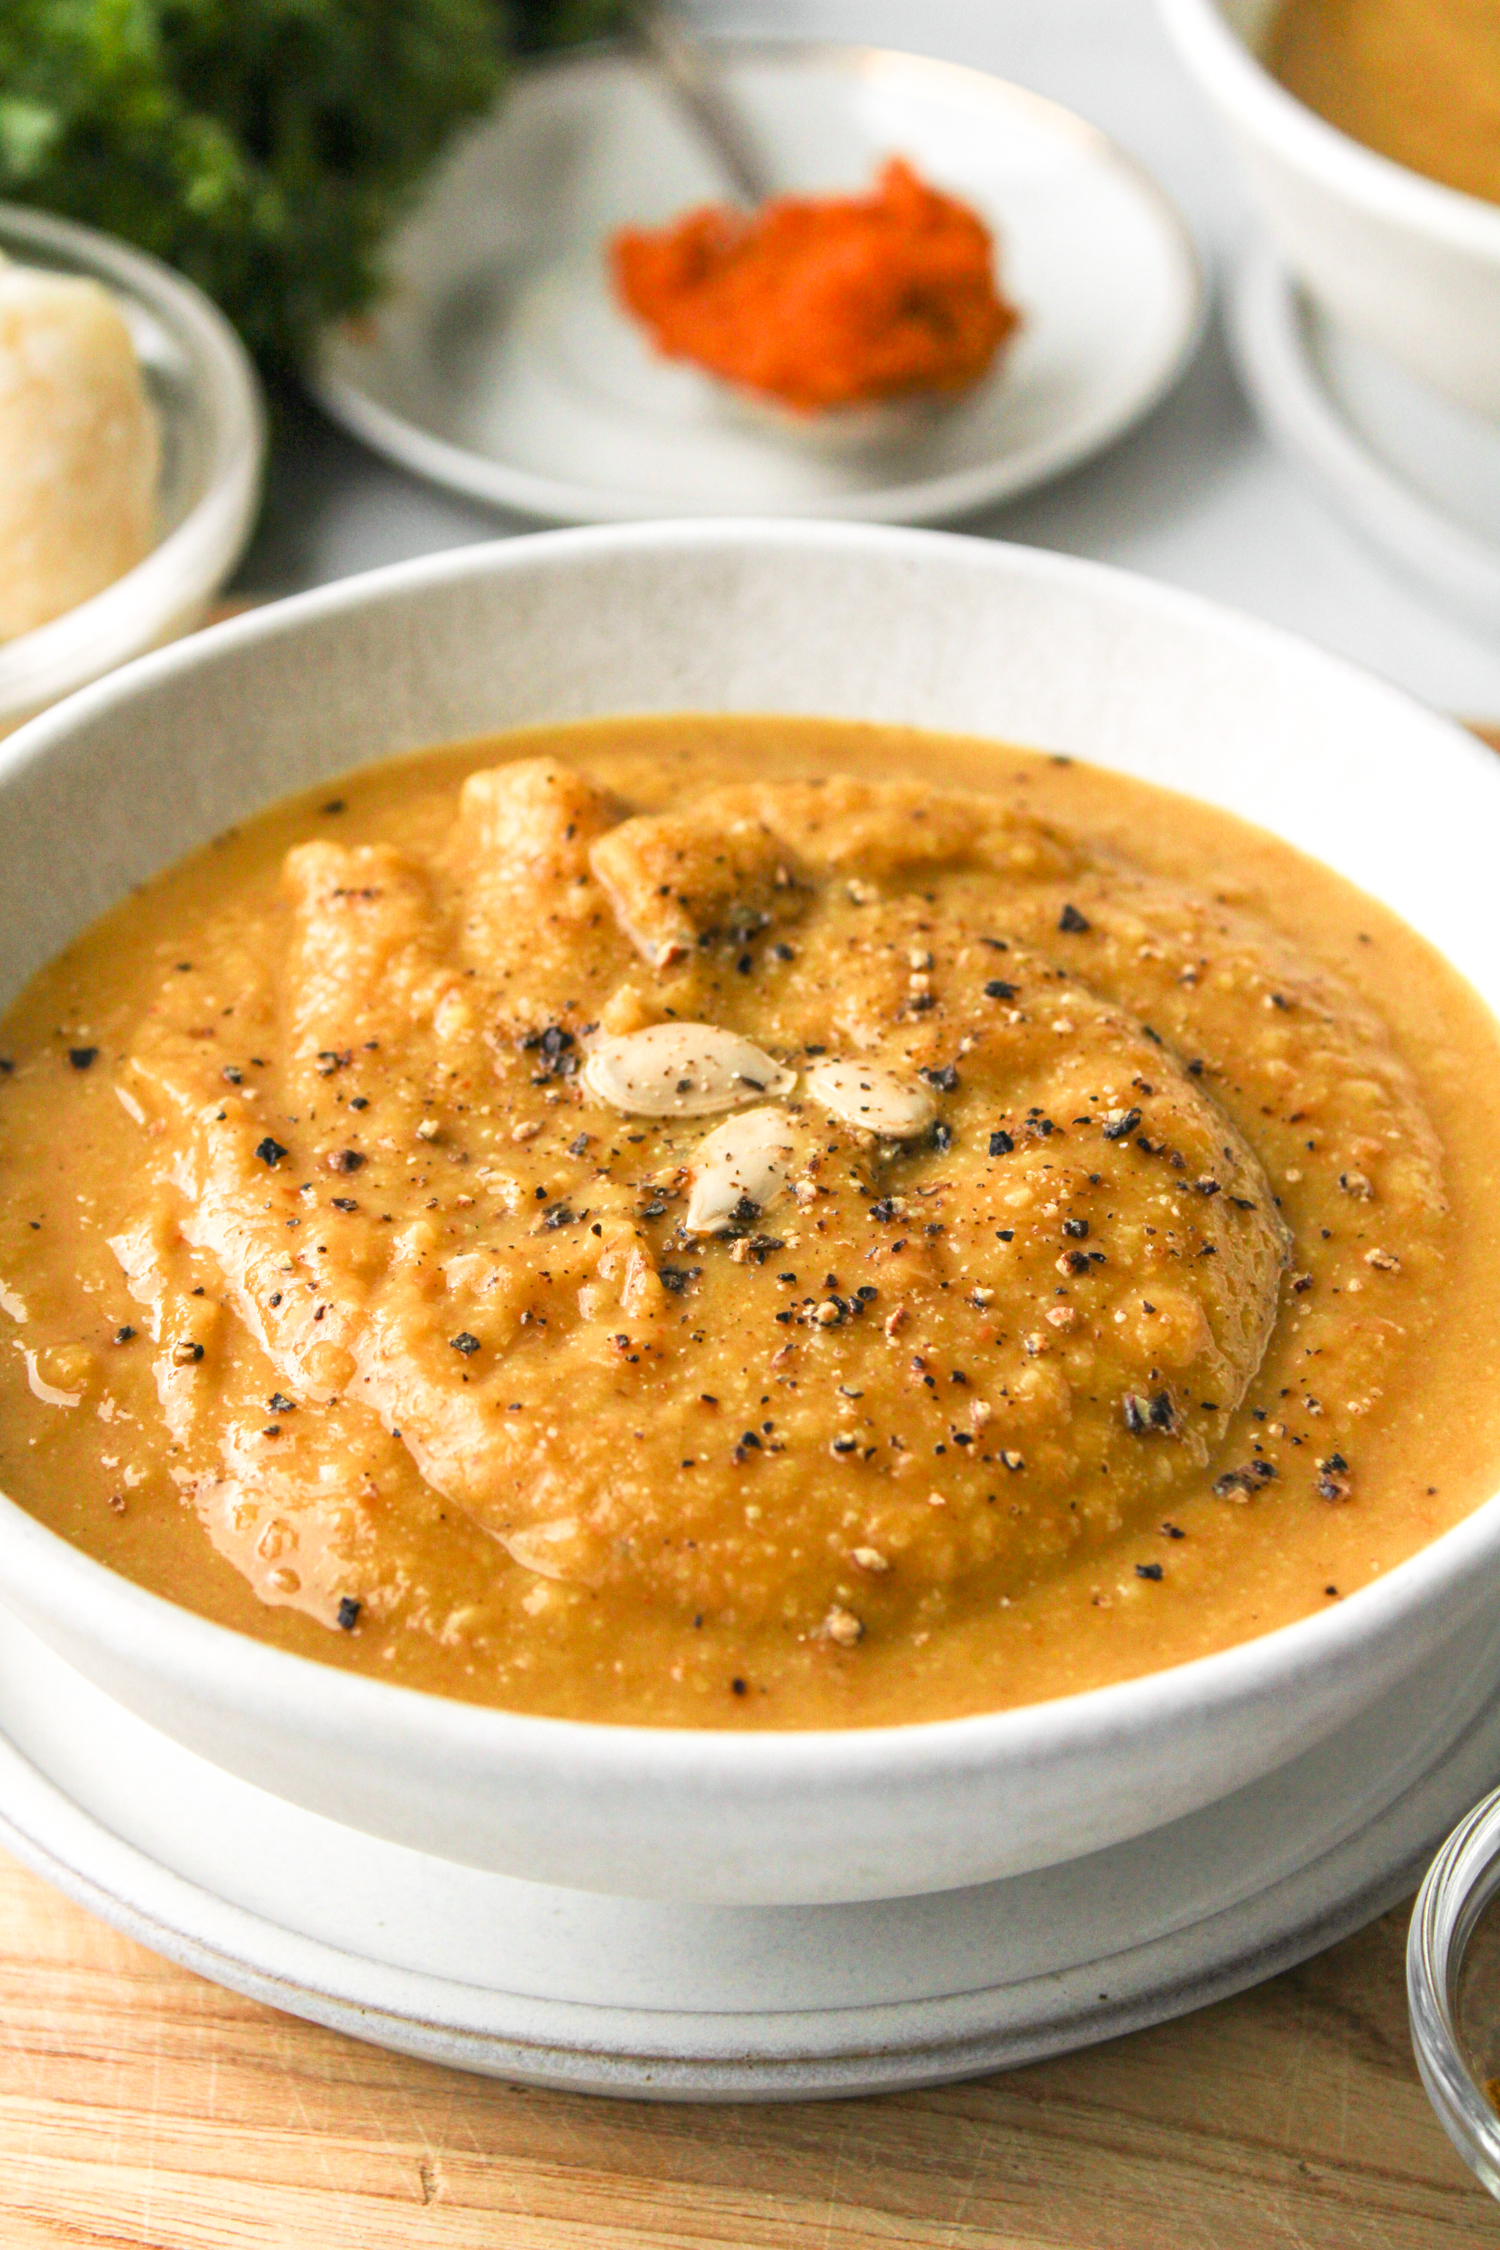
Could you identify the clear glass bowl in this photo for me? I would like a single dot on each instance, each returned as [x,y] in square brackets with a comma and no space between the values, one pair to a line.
[1453,1988]
[208,404]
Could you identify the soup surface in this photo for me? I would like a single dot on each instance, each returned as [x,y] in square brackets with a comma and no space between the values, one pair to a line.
[1417,80]
[749,1222]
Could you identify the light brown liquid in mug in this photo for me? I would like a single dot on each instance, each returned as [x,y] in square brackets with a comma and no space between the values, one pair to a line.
[342,1310]
[1416,80]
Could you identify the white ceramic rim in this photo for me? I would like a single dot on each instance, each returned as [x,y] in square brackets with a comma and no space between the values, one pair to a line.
[119,1618]
[931,500]
[183,569]
[1307,143]
[1268,313]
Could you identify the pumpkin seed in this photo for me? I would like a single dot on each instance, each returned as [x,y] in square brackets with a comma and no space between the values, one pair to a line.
[871,1098]
[739,1167]
[682,1070]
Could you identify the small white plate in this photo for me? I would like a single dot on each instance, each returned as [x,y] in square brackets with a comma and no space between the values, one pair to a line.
[499,364]
[1417,475]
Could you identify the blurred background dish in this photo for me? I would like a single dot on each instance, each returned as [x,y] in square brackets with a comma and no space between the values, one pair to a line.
[206,403]
[500,366]
[1400,260]
[1417,475]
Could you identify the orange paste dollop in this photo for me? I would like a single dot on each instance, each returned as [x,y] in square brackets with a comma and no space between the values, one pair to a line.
[824,301]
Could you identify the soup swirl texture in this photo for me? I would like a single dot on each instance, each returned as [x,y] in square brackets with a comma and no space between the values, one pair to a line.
[445,1342]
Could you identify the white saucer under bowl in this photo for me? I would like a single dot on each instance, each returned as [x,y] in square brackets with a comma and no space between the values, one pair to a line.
[1415,473]
[643,1998]
[499,364]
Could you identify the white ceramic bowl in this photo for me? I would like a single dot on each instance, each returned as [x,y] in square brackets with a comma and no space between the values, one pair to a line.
[203,390]
[1405,263]
[903,626]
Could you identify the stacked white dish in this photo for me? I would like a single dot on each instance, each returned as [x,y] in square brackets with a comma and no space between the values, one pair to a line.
[1415,473]
[1368,334]
[636,1909]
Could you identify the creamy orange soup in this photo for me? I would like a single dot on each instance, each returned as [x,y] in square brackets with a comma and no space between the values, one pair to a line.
[749,1223]
[1417,80]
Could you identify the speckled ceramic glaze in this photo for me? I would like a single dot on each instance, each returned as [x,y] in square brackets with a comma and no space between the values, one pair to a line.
[843,621]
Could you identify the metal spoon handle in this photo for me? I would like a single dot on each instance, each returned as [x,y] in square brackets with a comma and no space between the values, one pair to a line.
[694,78]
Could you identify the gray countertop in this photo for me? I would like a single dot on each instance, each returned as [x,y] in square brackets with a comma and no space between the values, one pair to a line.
[1196,496]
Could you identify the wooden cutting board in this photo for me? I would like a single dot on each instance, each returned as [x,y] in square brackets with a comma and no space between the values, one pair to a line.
[140,2106]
